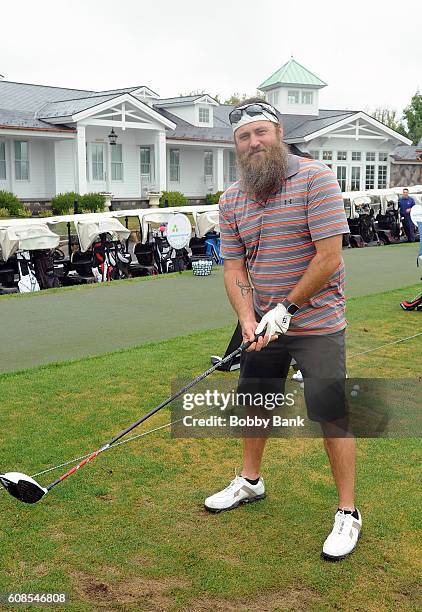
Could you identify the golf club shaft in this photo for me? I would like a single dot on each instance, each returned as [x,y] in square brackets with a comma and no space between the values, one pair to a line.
[149,414]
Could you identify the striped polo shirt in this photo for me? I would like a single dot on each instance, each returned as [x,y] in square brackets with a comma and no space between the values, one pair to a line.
[276,239]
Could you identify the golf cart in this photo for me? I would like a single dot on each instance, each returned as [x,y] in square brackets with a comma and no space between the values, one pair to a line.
[389,224]
[388,219]
[360,217]
[101,240]
[208,231]
[27,251]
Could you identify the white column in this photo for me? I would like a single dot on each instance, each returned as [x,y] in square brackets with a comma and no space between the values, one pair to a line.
[11,174]
[56,158]
[160,161]
[220,170]
[108,166]
[81,159]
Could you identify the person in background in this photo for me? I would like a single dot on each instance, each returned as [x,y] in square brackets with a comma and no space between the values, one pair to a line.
[406,203]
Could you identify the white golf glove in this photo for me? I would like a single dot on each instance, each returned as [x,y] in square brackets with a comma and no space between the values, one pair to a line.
[276,321]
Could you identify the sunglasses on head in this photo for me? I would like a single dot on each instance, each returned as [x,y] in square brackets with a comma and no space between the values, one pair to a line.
[251,110]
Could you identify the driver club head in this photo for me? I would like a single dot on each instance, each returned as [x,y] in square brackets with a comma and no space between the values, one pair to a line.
[23,487]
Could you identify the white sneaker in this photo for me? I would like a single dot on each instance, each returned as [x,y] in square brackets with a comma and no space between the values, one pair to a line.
[344,536]
[239,491]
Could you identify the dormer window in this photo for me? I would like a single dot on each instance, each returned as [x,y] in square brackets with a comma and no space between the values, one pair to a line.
[293,96]
[204,115]
[307,97]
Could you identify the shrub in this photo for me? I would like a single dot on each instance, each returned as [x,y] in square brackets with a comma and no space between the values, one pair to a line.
[62,203]
[4,213]
[92,202]
[174,198]
[45,213]
[24,212]
[9,201]
[213,198]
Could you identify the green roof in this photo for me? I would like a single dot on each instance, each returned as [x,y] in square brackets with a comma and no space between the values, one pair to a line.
[292,73]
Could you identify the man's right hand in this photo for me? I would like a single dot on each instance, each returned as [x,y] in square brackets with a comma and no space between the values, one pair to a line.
[248,333]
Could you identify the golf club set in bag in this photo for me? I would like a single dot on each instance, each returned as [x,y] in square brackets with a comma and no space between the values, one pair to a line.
[101,251]
[27,490]
[32,254]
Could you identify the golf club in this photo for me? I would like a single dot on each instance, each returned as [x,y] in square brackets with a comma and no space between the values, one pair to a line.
[27,490]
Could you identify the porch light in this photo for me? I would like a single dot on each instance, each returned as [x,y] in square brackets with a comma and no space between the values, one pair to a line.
[112,137]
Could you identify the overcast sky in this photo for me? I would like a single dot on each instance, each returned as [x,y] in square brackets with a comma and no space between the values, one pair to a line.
[369,53]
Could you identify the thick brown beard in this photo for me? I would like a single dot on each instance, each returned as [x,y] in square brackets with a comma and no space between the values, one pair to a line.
[262,176]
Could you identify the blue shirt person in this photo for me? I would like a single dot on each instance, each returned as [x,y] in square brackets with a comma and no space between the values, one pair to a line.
[406,203]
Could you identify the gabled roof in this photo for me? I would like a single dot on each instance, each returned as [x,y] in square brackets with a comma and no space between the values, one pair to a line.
[187,131]
[182,100]
[292,73]
[309,125]
[25,104]
[67,108]
[178,100]
[24,120]
[30,106]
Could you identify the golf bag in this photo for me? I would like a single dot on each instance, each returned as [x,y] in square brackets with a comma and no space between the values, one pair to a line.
[103,265]
[122,259]
[415,304]
[364,225]
[198,246]
[111,261]
[388,225]
[212,247]
[164,255]
[44,269]
[27,280]
[235,342]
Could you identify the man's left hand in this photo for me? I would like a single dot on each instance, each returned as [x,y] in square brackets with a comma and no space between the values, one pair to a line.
[275,322]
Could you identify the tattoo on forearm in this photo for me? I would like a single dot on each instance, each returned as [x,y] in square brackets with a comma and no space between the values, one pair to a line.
[245,288]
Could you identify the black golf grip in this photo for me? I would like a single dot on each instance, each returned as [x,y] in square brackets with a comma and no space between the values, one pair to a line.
[246,345]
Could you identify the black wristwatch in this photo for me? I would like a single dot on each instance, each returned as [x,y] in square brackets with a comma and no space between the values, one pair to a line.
[290,307]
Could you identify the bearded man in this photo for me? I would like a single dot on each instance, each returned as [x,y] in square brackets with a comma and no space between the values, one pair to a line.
[281,237]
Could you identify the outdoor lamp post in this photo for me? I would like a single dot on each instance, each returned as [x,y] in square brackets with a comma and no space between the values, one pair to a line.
[112,137]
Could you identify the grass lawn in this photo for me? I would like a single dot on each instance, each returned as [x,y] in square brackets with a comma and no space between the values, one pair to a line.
[130,532]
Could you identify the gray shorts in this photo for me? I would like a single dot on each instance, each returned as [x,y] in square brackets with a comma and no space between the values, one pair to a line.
[322,361]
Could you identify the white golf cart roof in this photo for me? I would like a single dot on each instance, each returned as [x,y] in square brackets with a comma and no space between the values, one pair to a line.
[26,237]
[89,230]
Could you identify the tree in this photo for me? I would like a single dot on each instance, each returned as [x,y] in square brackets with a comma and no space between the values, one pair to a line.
[200,92]
[195,92]
[413,115]
[237,97]
[389,117]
